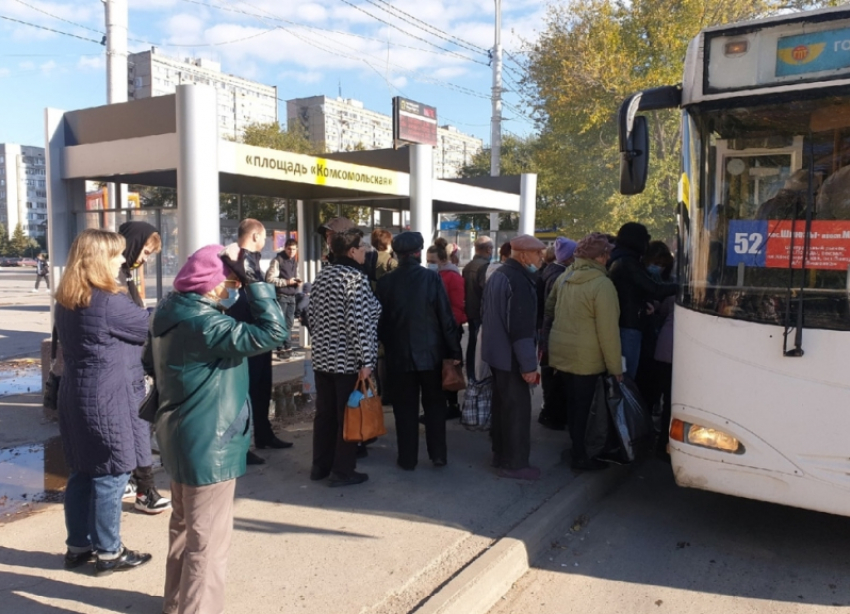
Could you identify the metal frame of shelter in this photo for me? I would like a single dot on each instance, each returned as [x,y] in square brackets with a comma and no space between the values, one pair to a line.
[172,141]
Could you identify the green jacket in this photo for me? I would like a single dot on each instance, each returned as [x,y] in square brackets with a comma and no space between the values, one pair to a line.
[196,354]
[585,335]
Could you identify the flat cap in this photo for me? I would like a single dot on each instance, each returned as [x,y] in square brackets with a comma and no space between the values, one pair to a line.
[337,224]
[526,243]
[408,242]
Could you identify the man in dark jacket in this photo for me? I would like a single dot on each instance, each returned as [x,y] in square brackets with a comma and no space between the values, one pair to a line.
[418,331]
[635,289]
[283,273]
[251,238]
[510,348]
[474,289]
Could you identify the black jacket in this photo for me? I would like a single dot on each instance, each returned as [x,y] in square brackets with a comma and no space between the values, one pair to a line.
[417,327]
[474,286]
[635,287]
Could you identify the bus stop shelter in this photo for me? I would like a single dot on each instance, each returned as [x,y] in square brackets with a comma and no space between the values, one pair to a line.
[173,141]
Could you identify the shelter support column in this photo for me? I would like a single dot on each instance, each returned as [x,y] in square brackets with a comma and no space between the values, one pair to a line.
[197,169]
[61,225]
[421,190]
[527,203]
[494,224]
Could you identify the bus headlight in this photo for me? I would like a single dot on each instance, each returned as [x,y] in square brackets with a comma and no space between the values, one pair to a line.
[705,437]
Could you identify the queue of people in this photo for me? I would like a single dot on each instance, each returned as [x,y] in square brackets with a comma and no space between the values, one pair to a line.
[581,310]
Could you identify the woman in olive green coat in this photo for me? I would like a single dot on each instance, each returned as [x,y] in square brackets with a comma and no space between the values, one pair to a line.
[584,341]
[196,353]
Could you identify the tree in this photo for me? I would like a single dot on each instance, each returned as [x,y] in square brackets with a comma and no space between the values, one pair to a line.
[589,57]
[4,241]
[20,242]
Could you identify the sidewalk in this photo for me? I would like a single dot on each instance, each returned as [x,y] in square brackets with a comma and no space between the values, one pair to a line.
[380,548]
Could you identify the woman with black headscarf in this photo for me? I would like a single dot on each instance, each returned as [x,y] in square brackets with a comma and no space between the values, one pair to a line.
[142,241]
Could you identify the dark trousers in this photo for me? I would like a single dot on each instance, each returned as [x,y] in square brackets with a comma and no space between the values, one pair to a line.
[38,279]
[474,325]
[287,306]
[260,392]
[330,451]
[511,425]
[665,382]
[406,389]
[554,404]
[578,391]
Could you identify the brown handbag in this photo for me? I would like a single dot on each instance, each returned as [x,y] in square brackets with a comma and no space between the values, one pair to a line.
[367,419]
[453,379]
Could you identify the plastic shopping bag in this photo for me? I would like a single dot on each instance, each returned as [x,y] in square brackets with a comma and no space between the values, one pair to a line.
[631,420]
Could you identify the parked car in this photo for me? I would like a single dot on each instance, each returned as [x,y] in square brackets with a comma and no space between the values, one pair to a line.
[10,261]
[28,262]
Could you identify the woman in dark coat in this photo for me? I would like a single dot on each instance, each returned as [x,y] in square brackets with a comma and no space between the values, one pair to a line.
[102,332]
[142,241]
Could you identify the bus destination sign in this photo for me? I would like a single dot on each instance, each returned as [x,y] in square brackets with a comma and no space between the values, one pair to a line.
[771,243]
[813,52]
[414,122]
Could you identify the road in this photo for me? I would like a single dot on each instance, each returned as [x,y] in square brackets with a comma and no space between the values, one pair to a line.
[24,314]
[654,547]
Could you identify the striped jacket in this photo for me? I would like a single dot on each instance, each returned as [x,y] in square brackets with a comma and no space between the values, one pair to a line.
[344,317]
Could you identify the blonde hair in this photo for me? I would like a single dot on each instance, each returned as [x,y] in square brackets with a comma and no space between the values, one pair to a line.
[88,267]
[154,243]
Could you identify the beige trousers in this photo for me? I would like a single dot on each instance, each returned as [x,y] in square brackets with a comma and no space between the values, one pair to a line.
[198,544]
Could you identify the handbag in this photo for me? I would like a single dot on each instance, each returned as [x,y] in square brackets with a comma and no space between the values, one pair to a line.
[150,404]
[51,386]
[453,379]
[366,420]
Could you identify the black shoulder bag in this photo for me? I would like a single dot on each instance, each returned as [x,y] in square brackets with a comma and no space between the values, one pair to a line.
[51,386]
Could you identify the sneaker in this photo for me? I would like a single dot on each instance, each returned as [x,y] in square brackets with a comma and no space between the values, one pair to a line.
[152,502]
[35,290]
[130,490]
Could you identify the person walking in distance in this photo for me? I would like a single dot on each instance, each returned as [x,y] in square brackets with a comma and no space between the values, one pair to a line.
[142,241]
[42,271]
[473,291]
[283,274]
[251,237]
[418,331]
[510,349]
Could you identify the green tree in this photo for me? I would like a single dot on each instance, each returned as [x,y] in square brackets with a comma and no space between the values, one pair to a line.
[4,241]
[20,242]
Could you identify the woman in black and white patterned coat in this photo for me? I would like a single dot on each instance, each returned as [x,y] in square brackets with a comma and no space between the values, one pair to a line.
[344,328]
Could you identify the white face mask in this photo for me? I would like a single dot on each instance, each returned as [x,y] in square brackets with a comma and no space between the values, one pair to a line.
[432,266]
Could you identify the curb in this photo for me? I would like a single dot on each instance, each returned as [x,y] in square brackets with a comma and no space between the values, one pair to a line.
[478,587]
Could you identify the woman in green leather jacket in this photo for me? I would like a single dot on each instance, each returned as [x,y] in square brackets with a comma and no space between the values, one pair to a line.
[196,353]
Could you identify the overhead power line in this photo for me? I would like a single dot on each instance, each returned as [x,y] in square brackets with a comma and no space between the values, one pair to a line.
[33,25]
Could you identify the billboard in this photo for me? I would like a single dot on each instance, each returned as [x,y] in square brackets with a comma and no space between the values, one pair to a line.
[414,122]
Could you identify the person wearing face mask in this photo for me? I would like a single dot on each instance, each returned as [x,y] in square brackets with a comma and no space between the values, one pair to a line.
[197,351]
[251,239]
[509,347]
[418,331]
[439,258]
[584,341]
[142,242]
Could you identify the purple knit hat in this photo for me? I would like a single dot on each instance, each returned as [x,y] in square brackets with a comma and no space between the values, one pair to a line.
[203,271]
[564,249]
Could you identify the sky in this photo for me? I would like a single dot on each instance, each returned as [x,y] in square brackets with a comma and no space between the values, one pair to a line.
[431,51]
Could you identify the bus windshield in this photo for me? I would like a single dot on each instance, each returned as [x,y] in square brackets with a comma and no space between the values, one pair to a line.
[769,233]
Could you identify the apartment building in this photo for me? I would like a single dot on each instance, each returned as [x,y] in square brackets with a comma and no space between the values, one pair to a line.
[342,124]
[240,101]
[23,190]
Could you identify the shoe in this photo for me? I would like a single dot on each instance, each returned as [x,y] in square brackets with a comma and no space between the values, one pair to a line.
[406,467]
[439,461]
[350,480]
[588,464]
[78,559]
[34,290]
[128,559]
[526,473]
[453,413]
[253,459]
[317,473]
[151,502]
[370,441]
[362,451]
[130,490]
[274,443]
[549,423]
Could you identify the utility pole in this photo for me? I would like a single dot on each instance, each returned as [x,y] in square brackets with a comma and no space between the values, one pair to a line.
[117,19]
[496,120]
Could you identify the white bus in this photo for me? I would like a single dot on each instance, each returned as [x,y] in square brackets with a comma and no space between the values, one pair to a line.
[761,377]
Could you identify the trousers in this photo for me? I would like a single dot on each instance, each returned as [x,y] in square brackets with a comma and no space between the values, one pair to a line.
[260,392]
[330,451]
[287,306]
[93,512]
[511,424]
[407,387]
[578,391]
[199,534]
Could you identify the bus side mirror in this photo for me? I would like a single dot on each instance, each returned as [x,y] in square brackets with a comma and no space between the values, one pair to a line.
[634,157]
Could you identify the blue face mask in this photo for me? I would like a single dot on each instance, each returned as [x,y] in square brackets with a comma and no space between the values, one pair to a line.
[232,297]
[532,268]
[432,266]
[654,270]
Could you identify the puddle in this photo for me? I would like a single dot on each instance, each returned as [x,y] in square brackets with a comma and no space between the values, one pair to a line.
[31,476]
[19,377]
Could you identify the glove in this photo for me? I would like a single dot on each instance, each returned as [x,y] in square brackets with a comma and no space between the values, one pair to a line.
[235,265]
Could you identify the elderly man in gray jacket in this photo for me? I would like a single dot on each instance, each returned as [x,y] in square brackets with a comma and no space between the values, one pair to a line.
[509,312]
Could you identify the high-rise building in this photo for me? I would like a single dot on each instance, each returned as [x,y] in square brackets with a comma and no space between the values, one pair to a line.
[23,191]
[342,124]
[240,102]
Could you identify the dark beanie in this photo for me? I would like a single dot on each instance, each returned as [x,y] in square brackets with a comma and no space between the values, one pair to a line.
[633,236]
